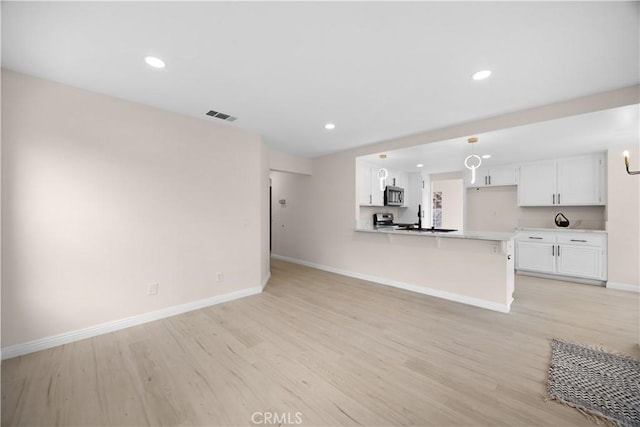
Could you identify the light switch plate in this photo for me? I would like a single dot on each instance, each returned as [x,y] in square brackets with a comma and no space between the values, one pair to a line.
[152,289]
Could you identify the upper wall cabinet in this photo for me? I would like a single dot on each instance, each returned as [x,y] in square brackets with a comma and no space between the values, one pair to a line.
[369,193]
[492,177]
[398,178]
[576,181]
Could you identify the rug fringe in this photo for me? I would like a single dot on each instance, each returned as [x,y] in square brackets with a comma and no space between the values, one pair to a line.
[591,416]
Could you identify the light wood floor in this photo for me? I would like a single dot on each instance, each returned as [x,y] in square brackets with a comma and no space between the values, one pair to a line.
[337,350]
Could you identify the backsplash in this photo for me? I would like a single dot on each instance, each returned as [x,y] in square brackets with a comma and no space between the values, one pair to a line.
[496,209]
[366,214]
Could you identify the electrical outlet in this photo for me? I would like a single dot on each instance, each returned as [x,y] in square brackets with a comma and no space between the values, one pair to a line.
[219,277]
[495,248]
[152,289]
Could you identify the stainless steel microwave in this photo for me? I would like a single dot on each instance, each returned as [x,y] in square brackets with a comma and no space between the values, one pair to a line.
[393,196]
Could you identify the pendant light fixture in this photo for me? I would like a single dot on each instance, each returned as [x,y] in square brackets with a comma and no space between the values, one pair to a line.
[626,164]
[473,161]
[383,174]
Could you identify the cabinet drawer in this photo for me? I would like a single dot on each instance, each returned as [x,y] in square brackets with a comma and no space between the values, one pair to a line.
[582,239]
[534,237]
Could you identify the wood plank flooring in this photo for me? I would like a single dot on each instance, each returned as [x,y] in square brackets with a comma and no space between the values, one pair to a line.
[327,350]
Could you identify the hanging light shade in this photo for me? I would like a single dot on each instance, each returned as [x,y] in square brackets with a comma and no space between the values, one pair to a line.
[473,161]
[626,164]
[382,173]
[382,177]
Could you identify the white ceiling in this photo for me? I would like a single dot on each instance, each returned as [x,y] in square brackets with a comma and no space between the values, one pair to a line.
[378,70]
[617,129]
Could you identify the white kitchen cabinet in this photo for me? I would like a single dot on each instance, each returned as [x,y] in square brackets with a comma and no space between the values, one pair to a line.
[536,257]
[363,176]
[537,184]
[576,181]
[580,255]
[580,181]
[492,176]
[579,261]
[369,193]
[502,175]
[398,178]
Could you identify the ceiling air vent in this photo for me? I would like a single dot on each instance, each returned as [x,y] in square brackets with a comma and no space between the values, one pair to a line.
[221,116]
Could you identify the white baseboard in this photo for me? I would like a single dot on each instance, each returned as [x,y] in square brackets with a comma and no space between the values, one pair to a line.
[623,286]
[104,328]
[477,302]
[265,280]
[571,279]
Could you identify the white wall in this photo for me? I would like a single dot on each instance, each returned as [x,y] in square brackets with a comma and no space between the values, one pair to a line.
[623,218]
[285,162]
[102,197]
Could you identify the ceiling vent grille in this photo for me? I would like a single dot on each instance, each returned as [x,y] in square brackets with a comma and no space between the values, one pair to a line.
[221,116]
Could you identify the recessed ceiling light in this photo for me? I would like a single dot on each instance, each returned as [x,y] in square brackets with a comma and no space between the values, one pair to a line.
[481,75]
[486,156]
[419,165]
[329,126]
[154,62]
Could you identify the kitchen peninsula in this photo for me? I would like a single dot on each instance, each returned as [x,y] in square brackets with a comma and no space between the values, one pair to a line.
[474,268]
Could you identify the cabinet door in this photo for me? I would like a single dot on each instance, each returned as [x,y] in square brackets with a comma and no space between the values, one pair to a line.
[377,194]
[579,181]
[535,257]
[502,175]
[537,184]
[363,173]
[580,261]
[397,178]
[482,177]
[392,178]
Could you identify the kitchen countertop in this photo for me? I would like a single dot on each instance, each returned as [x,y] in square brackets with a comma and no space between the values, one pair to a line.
[566,230]
[472,235]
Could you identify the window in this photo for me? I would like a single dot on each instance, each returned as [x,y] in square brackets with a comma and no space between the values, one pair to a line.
[436,211]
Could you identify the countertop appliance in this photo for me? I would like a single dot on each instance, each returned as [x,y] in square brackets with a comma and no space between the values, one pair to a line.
[393,196]
[385,219]
[561,220]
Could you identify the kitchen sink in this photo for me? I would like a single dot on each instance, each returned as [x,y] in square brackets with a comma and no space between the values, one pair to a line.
[432,230]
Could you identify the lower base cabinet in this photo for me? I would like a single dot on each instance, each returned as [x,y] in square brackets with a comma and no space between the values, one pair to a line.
[580,255]
[536,257]
[578,261]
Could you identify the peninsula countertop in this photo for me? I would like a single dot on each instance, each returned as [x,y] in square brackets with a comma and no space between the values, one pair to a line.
[472,235]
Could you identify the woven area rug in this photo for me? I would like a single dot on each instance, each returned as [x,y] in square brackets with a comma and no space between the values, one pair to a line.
[601,384]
